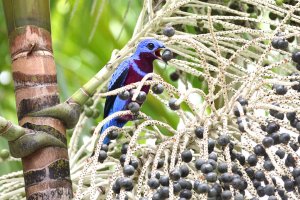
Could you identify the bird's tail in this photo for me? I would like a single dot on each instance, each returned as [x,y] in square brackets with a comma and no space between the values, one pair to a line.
[113,122]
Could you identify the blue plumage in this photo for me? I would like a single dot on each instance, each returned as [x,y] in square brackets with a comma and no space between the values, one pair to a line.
[130,71]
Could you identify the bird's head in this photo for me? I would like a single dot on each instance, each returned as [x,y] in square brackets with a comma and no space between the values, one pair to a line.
[150,48]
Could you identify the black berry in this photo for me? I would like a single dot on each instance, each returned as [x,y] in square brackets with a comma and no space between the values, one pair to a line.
[126,183]
[124,148]
[167,55]
[186,156]
[199,132]
[252,160]
[169,31]
[206,168]
[141,97]
[113,135]
[269,190]
[284,138]
[176,187]
[184,170]
[102,156]
[259,175]
[164,180]
[172,104]
[296,57]
[164,192]
[211,177]
[226,195]
[174,76]
[134,107]
[158,88]
[289,185]
[259,150]
[223,140]
[272,127]
[199,163]
[222,167]
[187,194]
[124,95]
[128,170]
[201,188]
[153,183]
[175,174]
[268,141]
[280,153]
[280,89]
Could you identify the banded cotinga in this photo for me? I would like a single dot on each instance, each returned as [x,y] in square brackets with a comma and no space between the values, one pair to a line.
[130,71]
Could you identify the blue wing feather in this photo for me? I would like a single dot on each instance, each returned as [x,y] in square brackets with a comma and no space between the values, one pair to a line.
[114,103]
[116,81]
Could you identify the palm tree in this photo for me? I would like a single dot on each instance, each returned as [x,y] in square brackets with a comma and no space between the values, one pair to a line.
[46,171]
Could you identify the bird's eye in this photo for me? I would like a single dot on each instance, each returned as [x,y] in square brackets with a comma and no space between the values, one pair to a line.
[150,46]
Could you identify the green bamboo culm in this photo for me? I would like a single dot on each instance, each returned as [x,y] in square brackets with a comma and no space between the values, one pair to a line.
[33,12]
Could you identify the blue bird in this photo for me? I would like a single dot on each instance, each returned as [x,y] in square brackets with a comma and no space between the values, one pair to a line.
[130,71]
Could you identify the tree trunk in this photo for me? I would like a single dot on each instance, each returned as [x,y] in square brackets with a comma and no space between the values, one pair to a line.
[46,171]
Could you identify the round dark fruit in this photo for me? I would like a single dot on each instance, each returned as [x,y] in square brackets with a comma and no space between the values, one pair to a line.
[169,31]
[206,168]
[153,183]
[222,167]
[296,57]
[128,170]
[268,142]
[141,97]
[175,174]
[184,170]
[112,135]
[259,175]
[280,153]
[201,188]
[102,156]
[124,148]
[89,102]
[186,156]
[176,187]
[134,107]
[199,163]
[269,190]
[167,55]
[126,183]
[158,88]
[284,138]
[186,194]
[164,180]
[174,76]
[104,147]
[199,132]
[280,89]
[223,140]
[124,95]
[226,195]
[172,104]
[211,177]
[252,160]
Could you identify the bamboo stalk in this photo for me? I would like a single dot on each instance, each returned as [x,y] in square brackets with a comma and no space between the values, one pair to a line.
[46,171]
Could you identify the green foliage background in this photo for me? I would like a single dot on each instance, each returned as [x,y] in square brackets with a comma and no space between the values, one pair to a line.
[77,58]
